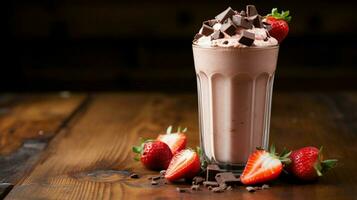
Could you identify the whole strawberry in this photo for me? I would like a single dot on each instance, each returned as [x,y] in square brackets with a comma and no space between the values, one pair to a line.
[154,155]
[279,24]
[307,163]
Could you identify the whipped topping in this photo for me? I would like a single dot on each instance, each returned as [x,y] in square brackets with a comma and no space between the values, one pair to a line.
[233,29]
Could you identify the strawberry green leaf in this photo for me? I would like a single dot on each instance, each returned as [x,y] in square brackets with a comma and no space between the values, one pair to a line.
[137,149]
[284,15]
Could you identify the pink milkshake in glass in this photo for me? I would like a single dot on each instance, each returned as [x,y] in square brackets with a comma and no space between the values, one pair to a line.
[235,61]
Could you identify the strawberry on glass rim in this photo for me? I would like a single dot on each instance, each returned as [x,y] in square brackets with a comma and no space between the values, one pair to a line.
[176,141]
[279,24]
[263,166]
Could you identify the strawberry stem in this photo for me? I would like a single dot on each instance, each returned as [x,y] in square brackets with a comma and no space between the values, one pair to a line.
[284,15]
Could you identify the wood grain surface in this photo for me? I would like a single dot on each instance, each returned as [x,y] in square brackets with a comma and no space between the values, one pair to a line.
[27,123]
[91,158]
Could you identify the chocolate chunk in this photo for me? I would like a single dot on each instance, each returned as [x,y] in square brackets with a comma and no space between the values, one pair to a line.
[250,189]
[217,35]
[225,15]
[207,30]
[267,26]
[229,27]
[247,38]
[195,187]
[163,172]
[154,182]
[251,10]
[133,175]
[227,178]
[210,187]
[257,22]
[210,183]
[241,22]
[197,180]
[211,172]
[229,188]
[210,23]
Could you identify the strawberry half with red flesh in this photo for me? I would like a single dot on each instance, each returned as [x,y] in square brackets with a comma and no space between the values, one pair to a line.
[263,166]
[176,141]
[154,155]
[279,24]
[184,164]
[307,163]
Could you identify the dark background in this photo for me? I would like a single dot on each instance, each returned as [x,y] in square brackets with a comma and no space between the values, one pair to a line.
[99,45]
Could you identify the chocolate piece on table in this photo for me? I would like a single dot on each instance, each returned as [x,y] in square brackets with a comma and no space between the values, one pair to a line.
[163,172]
[265,186]
[257,22]
[217,190]
[251,10]
[133,175]
[250,189]
[267,26]
[154,182]
[207,30]
[227,178]
[229,12]
[195,187]
[216,35]
[241,22]
[229,188]
[247,38]
[210,183]
[211,172]
[210,22]
[229,27]
[181,190]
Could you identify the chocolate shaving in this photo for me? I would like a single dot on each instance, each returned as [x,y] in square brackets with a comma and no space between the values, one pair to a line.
[251,10]
[207,30]
[217,190]
[247,38]
[250,189]
[217,35]
[225,15]
[197,180]
[241,22]
[229,27]
[210,183]
[195,187]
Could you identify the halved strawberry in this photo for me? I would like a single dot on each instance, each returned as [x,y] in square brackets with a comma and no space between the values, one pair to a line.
[263,166]
[176,141]
[185,164]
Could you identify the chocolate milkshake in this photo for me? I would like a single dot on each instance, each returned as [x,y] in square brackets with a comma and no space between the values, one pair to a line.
[235,60]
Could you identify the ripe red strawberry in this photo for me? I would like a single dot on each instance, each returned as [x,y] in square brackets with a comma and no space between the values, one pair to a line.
[263,166]
[279,24]
[154,155]
[184,164]
[176,141]
[307,163]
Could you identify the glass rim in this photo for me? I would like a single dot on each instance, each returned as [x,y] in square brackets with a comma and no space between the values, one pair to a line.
[235,48]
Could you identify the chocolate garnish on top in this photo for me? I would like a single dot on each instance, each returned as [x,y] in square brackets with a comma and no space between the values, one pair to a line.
[247,38]
[257,21]
[211,22]
[207,30]
[240,21]
[217,35]
[229,12]
[251,11]
[229,27]
[267,26]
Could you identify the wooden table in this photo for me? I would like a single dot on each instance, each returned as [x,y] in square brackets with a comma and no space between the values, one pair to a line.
[77,146]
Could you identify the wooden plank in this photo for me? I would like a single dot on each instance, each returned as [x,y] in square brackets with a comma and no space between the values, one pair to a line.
[91,159]
[27,123]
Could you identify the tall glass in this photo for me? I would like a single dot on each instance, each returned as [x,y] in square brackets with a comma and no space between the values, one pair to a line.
[234,99]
